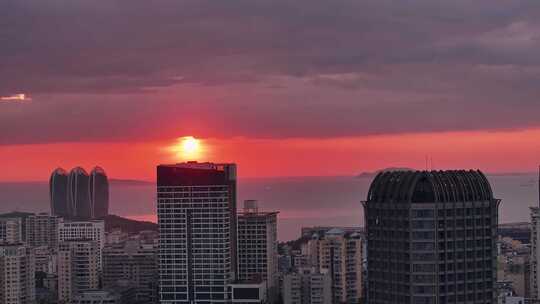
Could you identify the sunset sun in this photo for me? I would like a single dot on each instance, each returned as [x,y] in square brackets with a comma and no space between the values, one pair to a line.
[188,148]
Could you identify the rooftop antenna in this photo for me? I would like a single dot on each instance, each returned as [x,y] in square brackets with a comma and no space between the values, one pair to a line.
[538,186]
[427,167]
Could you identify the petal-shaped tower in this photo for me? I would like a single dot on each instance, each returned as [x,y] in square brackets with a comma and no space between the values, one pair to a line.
[78,197]
[58,193]
[98,188]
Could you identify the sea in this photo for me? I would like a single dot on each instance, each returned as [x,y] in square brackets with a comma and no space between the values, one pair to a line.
[300,201]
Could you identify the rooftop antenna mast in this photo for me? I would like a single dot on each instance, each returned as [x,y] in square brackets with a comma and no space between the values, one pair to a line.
[538,186]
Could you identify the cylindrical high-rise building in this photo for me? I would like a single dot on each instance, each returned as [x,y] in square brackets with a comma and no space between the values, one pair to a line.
[78,194]
[58,193]
[98,189]
[431,238]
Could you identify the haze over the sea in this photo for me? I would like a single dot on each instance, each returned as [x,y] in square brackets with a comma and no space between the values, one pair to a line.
[301,201]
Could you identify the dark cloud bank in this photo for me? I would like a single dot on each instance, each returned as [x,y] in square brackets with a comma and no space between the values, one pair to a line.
[125,70]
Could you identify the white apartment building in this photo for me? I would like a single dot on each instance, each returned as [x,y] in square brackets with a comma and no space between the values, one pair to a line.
[83,230]
[341,254]
[257,247]
[535,253]
[46,259]
[17,280]
[10,230]
[42,230]
[307,286]
[78,268]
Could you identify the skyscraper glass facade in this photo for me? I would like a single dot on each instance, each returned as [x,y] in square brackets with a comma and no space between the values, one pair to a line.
[431,238]
[196,207]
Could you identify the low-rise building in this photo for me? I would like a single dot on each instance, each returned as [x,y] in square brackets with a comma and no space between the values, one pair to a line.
[257,246]
[97,297]
[83,230]
[341,254]
[42,230]
[135,264]
[116,236]
[46,259]
[17,275]
[253,292]
[11,230]
[78,269]
[307,286]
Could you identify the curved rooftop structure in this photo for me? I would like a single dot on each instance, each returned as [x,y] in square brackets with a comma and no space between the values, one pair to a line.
[98,188]
[430,186]
[78,196]
[98,170]
[78,171]
[429,228]
[58,171]
[58,192]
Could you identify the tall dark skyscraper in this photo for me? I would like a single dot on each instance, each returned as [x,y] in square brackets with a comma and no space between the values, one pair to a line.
[196,207]
[58,193]
[79,195]
[99,193]
[431,238]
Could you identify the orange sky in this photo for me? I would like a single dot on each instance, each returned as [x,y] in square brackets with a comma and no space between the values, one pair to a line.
[283,88]
[497,151]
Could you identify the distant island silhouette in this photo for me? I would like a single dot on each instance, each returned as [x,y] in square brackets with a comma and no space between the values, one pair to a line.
[134,182]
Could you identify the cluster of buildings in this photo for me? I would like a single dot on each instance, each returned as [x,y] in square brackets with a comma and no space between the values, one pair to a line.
[328,268]
[47,259]
[431,237]
[59,257]
[513,270]
[79,195]
[208,252]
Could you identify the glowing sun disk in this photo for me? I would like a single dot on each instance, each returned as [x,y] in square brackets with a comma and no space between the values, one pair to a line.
[188,148]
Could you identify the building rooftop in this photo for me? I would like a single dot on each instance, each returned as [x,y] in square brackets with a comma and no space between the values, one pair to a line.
[335,231]
[98,170]
[195,174]
[430,186]
[251,209]
[59,171]
[257,214]
[78,170]
[197,165]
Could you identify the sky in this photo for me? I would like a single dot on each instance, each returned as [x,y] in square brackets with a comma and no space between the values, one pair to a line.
[283,88]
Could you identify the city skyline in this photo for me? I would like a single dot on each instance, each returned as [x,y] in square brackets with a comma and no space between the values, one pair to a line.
[385,152]
[429,237]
